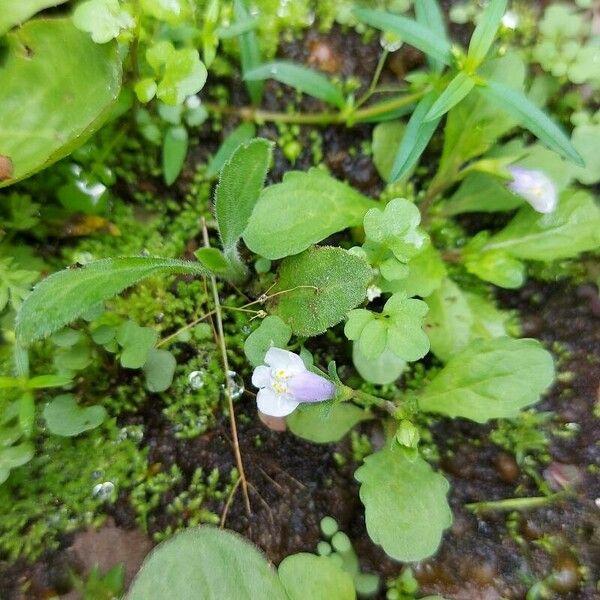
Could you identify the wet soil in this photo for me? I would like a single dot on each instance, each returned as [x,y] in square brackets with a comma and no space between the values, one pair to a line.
[293,484]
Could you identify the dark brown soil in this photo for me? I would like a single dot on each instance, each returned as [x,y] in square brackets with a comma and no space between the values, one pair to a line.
[293,484]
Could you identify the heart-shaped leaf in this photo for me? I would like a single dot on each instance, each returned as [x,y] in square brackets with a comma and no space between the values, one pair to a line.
[66,418]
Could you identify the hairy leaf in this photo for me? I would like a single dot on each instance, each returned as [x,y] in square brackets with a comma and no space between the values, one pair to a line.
[317,288]
[302,78]
[66,295]
[240,183]
[405,503]
[241,134]
[490,379]
[302,210]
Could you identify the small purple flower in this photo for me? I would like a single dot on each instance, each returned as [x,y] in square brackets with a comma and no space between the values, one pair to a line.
[536,187]
[284,382]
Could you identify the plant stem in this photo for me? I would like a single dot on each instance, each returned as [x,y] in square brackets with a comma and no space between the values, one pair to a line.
[250,113]
[369,400]
[225,361]
[515,503]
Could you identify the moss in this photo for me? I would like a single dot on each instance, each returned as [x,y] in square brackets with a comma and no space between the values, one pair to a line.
[54,493]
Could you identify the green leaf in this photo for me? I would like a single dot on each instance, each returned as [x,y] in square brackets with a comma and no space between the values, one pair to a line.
[159,369]
[272,331]
[489,321]
[456,91]
[206,563]
[387,137]
[325,423]
[136,342]
[497,267]
[317,288]
[573,228]
[47,381]
[240,183]
[241,134]
[64,296]
[250,52]
[13,457]
[38,129]
[64,417]
[214,260]
[399,329]
[405,503]
[429,14]
[490,379]
[301,211]
[383,369]
[397,228]
[474,125]
[16,13]
[174,151]
[410,31]
[485,32]
[585,139]
[316,577]
[415,140]
[302,78]
[171,11]
[449,320]
[531,117]
[103,19]
[184,75]
[425,273]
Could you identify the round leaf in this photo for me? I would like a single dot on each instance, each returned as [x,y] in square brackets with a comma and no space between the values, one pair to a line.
[37,129]
[205,563]
[64,417]
[405,503]
[316,577]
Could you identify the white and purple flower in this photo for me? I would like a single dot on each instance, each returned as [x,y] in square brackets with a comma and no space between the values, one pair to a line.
[536,187]
[284,382]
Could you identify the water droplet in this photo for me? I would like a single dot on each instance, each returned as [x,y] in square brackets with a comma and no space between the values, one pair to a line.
[196,380]
[96,474]
[236,384]
[144,252]
[104,490]
[159,318]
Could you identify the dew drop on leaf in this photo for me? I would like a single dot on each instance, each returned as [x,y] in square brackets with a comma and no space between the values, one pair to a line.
[196,380]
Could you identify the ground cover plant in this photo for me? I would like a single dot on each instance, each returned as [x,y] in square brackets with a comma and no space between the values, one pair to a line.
[292,270]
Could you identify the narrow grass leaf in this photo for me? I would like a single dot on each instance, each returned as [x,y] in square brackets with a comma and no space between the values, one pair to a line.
[410,31]
[533,119]
[485,32]
[429,14]
[302,78]
[456,91]
[415,140]
[250,52]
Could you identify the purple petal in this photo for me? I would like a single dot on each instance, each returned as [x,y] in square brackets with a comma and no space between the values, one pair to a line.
[310,387]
